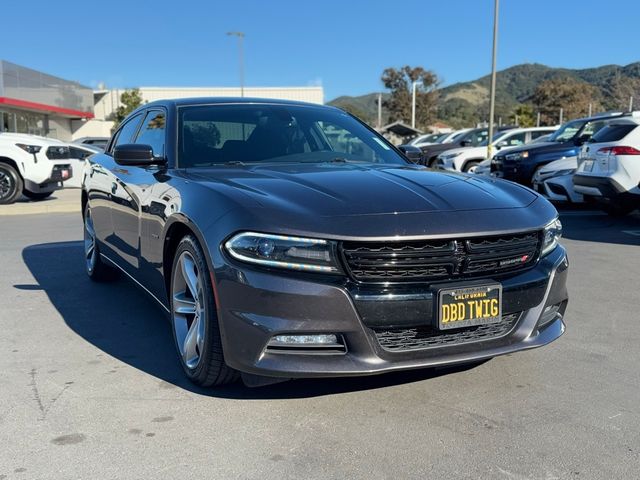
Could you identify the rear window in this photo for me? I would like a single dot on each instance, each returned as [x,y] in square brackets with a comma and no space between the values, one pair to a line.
[612,133]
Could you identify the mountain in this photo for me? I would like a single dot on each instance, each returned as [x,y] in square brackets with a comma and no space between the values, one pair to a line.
[465,103]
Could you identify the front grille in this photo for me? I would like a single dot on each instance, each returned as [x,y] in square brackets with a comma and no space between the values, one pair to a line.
[428,260]
[403,339]
[58,153]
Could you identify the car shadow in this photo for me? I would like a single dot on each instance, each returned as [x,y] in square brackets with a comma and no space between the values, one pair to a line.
[595,226]
[124,322]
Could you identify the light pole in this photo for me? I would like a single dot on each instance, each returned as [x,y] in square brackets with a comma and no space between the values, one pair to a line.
[240,36]
[492,100]
[413,103]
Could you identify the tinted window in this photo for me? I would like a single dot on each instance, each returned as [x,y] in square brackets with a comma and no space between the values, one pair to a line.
[79,153]
[539,133]
[128,130]
[216,134]
[476,138]
[152,132]
[516,139]
[612,133]
[566,132]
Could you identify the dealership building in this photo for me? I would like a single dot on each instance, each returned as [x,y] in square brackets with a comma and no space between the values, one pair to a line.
[40,104]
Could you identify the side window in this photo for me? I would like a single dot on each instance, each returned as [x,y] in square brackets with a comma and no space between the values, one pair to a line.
[343,141]
[517,139]
[476,138]
[152,132]
[126,133]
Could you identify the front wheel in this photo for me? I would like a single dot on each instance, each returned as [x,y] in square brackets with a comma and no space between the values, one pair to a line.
[37,195]
[96,268]
[471,167]
[616,211]
[10,184]
[194,318]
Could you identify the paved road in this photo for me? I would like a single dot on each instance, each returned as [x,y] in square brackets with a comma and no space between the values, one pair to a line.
[90,388]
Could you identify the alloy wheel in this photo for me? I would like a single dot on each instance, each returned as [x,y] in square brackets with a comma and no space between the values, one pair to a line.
[188,313]
[90,253]
[6,184]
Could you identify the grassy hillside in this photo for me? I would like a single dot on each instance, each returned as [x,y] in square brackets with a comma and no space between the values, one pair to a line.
[465,103]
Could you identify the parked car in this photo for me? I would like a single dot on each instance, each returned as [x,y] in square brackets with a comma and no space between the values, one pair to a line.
[78,153]
[427,139]
[555,181]
[31,165]
[99,142]
[279,252]
[466,159]
[609,168]
[470,138]
[520,164]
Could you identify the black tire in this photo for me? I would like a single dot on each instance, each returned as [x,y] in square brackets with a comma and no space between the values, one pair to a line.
[432,162]
[469,165]
[211,369]
[37,195]
[616,211]
[94,265]
[11,184]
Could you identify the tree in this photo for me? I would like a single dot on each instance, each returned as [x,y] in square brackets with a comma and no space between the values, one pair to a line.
[399,102]
[130,100]
[524,116]
[573,96]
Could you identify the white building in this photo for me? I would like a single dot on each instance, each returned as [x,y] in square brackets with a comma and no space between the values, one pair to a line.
[107,101]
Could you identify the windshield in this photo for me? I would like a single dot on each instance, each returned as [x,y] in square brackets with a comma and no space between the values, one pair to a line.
[249,133]
[567,131]
[495,138]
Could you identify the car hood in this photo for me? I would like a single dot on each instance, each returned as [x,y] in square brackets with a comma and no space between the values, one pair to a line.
[331,190]
[467,151]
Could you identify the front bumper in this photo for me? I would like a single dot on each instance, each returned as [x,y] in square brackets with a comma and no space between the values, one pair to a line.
[59,173]
[254,305]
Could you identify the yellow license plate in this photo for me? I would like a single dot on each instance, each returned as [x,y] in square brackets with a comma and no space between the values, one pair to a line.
[468,306]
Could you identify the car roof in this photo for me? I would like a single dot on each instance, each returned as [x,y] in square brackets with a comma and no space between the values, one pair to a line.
[180,102]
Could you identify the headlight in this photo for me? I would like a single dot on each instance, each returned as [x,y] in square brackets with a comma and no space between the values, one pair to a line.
[517,156]
[29,148]
[293,253]
[552,234]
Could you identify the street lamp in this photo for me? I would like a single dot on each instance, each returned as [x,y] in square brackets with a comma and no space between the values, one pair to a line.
[492,100]
[413,102]
[240,36]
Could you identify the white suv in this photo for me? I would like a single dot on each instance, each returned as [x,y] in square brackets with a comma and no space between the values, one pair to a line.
[31,165]
[609,167]
[466,159]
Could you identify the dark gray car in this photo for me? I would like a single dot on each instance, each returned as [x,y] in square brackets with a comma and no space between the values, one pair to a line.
[291,240]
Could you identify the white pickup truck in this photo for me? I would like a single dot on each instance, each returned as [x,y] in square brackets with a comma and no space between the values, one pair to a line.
[31,165]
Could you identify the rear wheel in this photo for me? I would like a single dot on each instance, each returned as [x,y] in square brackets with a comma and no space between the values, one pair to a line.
[194,318]
[11,184]
[95,267]
[36,195]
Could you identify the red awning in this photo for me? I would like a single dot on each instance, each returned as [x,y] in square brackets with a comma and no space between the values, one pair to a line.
[41,107]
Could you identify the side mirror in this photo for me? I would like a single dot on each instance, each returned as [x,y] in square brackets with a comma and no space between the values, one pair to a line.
[582,139]
[412,153]
[134,154]
[501,144]
[466,143]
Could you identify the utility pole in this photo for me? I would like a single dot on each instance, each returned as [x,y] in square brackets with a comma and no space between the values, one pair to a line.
[631,104]
[379,110]
[240,36]
[413,104]
[538,120]
[561,115]
[492,100]
[590,107]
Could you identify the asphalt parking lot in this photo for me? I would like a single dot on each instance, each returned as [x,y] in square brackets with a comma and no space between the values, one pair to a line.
[91,388]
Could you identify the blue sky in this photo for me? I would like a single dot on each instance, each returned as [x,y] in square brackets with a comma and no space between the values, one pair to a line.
[344,45]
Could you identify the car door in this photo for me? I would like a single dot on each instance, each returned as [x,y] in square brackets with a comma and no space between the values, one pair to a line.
[135,195]
[123,205]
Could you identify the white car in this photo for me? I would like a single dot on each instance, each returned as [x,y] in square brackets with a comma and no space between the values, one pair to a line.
[555,180]
[77,156]
[467,159]
[31,165]
[609,166]
[428,139]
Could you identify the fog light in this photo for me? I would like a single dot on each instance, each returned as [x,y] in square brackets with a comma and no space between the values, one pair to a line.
[549,314]
[324,339]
